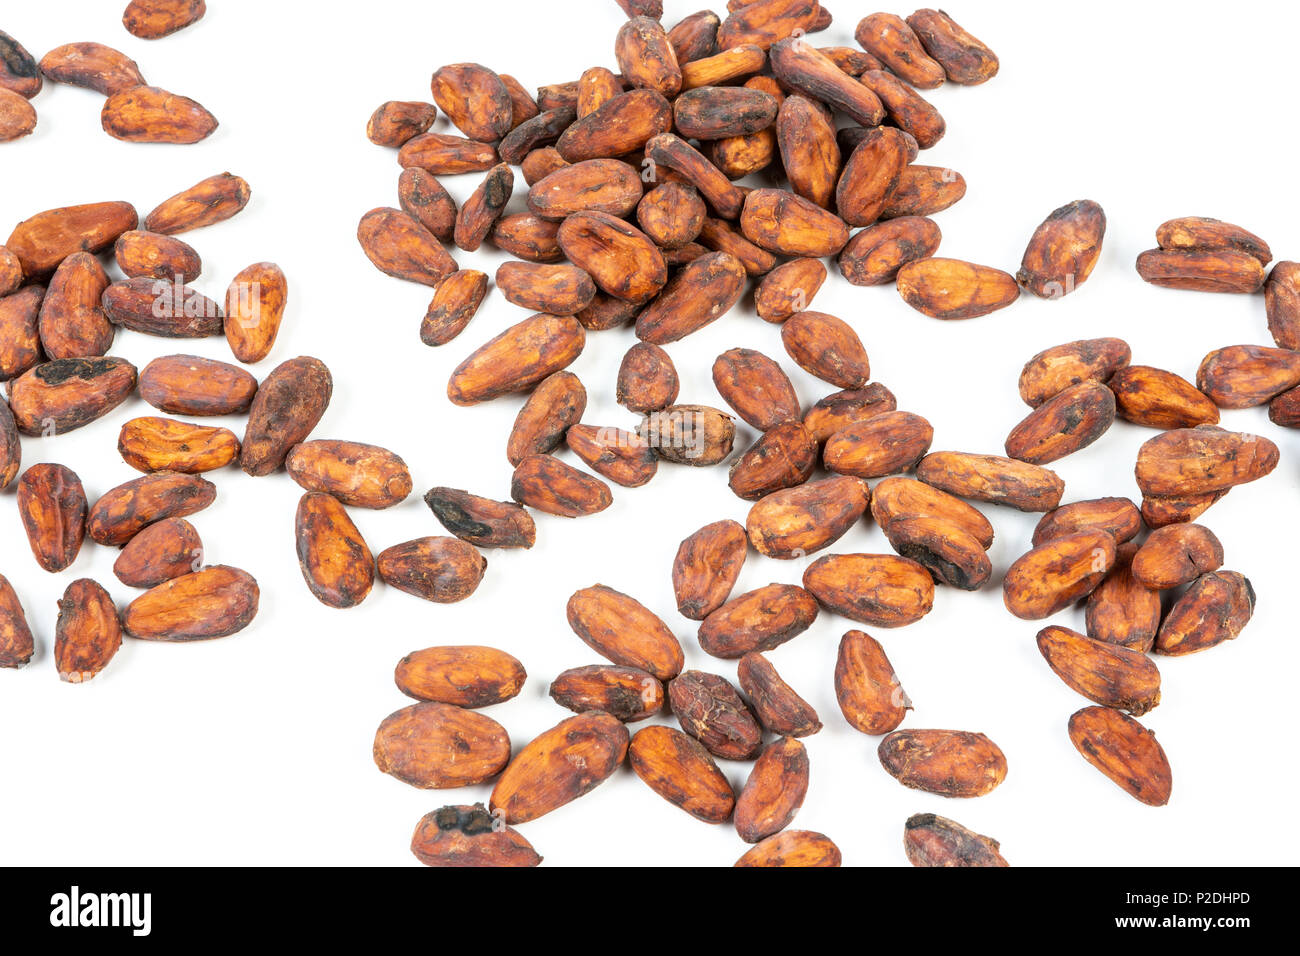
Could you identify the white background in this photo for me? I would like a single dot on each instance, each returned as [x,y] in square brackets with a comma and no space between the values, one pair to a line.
[256,748]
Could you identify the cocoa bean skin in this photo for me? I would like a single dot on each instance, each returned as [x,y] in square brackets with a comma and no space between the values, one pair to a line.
[192,385]
[827,347]
[290,402]
[1057,573]
[1201,270]
[1062,425]
[1202,460]
[400,247]
[395,122]
[335,561]
[1063,250]
[482,521]
[671,214]
[621,629]
[891,41]
[53,507]
[360,475]
[647,379]
[869,693]
[455,302]
[646,57]
[560,765]
[150,114]
[874,255]
[1122,611]
[16,643]
[1282,301]
[1159,399]
[475,100]
[718,112]
[551,486]
[627,693]
[440,154]
[621,456]
[777,706]
[484,207]
[1125,751]
[63,395]
[555,405]
[72,322]
[1107,673]
[18,69]
[952,289]
[1242,376]
[465,676]
[207,202]
[706,567]
[789,289]
[906,108]
[932,840]
[700,293]
[783,457]
[760,620]
[1194,233]
[154,19]
[798,521]
[808,150]
[163,444]
[20,336]
[965,59]
[901,499]
[710,710]
[679,769]
[774,791]
[11,452]
[793,848]
[1119,517]
[49,237]
[951,555]
[882,445]
[756,388]
[438,746]
[594,185]
[255,304]
[215,602]
[93,66]
[439,569]
[124,511]
[839,410]
[527,237]
[1053,370]
[797,64]
[689,434]
[1214,609]
[619,126]
[1000,481]
[140,253]
[469,836]
[880,590]
[1177,555]
[426,201]
[164,550]
[553,289]
[88,632]
[949,763]
[871,176]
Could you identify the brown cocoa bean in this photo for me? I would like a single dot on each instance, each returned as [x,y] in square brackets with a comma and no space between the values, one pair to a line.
[1216,270]
[1239,376]
[1057,573]
[49,237]
[783,457]
[469,836]
[289,403]
[1213,610]
[207,202]
[881,445]
[1121,610]
[898,499]
[619,126]
[1118,517]
[789,289]
[57,397]
[1053,370]
[1124,751]
[949,763]
[465,676]
[793,848]
[162,551]
[799,65]
[1202,460]
[952,289]
[628,693]
[444,155]
[679,769]
[20,331]
[798,521]
[439,569]
[710,710]
[455,302]
[93,66]
[551,486]
[1159,399]
[152,444]
[647,379]
[827,347]
[774,702]
[620,258]
[555,405]
[965,59]
[841,409]
[1063,250]
[562,764]
[991,478]
[215,602]
[774,792]
[192,385]
[53,508]
[760,620]
[869,693]
[594,185]
[88,632]
[335,561]
[150,114]
[438,746]
[891,41]
[874,255]
[397,121]
[482,521]
[475,100]
[484,207]
[1107,673]
[126,510]
[881,590]
[16,643]
[360,475]
[1062,425]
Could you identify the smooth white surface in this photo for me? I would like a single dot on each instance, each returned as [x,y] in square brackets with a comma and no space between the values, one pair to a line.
[256,749]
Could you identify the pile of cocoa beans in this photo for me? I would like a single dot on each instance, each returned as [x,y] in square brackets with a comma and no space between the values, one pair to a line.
[134,110]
